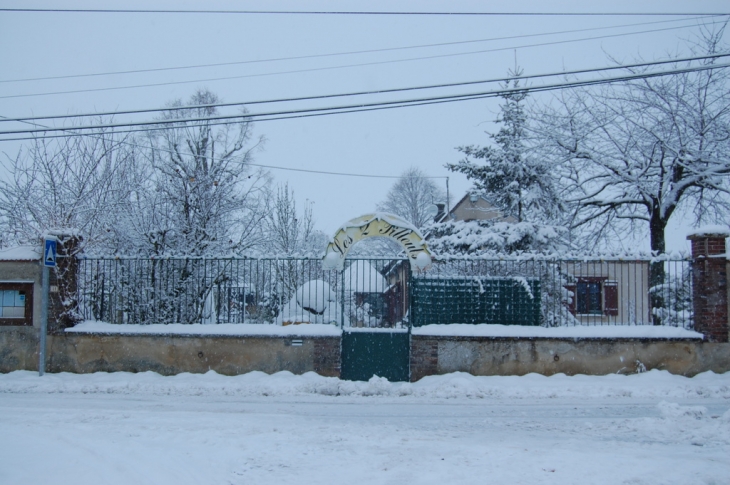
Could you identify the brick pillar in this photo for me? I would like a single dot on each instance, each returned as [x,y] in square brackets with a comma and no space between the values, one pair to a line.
[709,281]
[327,352]
[63,297]
[424,357]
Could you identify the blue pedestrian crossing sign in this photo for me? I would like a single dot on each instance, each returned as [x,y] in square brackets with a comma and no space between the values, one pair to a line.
[49,252]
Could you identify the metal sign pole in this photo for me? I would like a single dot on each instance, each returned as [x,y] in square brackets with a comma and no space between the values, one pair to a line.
[44,320]
[49,261]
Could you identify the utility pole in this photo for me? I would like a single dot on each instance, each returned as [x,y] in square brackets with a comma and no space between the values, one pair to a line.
[448,196]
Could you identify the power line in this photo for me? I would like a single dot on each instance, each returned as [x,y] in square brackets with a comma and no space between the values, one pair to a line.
[297,71]
[334,54]
[484,95]
[361,13]
[291,114]
[343,174]
[375,92]
[305,113]
[274,167]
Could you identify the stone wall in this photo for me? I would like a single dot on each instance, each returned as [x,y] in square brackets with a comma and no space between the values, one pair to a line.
[487,356]
[174,354]
[18,348]
[327,356]
[233,355]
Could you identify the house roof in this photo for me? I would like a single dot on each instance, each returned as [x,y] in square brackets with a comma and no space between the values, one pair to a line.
[473,207]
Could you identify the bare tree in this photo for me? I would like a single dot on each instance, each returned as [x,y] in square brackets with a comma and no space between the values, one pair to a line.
[76,184]
[289,232]
[211,196]
[202,198]
[640,151]
[412,197]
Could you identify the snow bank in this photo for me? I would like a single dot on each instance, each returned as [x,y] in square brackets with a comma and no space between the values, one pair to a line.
[21,253]
[674,410]
[318,330]
[655,384]
[579,331]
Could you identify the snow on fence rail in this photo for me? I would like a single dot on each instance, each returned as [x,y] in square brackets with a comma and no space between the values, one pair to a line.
[382,292]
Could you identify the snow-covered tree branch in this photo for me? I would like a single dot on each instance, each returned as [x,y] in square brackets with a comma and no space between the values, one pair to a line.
[644,150]
[76,184]
[213,198]
[287,231]
[412,197]
[512,174]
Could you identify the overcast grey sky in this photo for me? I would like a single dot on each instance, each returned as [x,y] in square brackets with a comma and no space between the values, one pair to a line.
[378,143]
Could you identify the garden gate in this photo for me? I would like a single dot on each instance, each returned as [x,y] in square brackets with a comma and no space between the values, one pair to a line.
[375,328]
[382,352]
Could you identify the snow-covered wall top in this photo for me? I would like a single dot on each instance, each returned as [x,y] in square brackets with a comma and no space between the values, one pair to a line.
[21,253]
[453,330]
[576,332]
[243,329]
[711,230]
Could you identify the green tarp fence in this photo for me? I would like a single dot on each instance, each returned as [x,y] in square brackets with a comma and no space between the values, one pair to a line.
[504,300]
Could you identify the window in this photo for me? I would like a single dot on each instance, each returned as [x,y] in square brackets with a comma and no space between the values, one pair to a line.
[594,296]
[16,304]
[588,298]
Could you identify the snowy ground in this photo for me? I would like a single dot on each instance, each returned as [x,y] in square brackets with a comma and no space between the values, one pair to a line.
[651,428]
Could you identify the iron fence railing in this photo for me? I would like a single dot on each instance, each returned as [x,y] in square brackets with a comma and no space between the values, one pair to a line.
[554,292]
[263,291]
[384,293]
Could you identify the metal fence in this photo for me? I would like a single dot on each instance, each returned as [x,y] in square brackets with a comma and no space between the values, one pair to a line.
[263,291]
[384,292]
[549,292]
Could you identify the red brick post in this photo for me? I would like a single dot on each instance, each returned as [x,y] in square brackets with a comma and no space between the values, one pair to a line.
[709,284]
[327,356]
[62,299]
[424,357]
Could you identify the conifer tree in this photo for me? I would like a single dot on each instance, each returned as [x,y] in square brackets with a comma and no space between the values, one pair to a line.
[509,173]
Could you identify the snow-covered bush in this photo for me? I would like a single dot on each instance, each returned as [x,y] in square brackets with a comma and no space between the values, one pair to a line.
[313,302]
[479,238]
[676,294]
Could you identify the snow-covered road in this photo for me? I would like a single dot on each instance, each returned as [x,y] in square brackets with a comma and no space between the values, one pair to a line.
[651,428]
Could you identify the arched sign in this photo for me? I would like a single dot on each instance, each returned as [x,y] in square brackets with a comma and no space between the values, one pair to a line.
[377,225]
